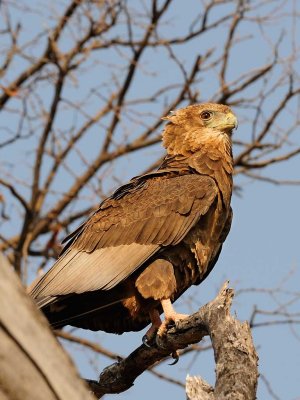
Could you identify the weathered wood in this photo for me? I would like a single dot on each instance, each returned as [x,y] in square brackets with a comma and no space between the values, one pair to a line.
[235,355]
[236,359]
[197,389]
[33,365]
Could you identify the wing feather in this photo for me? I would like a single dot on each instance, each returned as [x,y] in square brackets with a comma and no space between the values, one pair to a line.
[126,231]
[62,280]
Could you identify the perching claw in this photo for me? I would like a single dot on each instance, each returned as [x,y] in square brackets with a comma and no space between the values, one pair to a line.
[175,356]
[145,341]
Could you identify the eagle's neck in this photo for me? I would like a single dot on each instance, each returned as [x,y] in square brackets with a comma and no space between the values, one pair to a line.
[219,166]
[212,159]
[180,140]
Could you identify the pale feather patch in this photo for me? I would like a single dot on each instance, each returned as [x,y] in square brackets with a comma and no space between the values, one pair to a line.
[80,272]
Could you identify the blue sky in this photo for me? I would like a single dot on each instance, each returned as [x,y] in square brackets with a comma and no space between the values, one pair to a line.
[263,245]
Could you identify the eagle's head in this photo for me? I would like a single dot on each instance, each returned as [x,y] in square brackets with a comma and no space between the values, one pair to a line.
[200,125]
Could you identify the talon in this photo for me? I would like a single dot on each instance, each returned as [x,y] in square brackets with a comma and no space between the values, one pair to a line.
[145,341]
[151,332]
[175,356]
[165,326]
[170,324]
[162,331]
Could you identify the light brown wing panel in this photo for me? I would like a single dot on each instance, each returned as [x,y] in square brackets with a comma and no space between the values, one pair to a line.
[80,272]
[125,232]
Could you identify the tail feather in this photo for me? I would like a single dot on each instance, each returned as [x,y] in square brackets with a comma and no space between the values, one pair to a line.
[57,323]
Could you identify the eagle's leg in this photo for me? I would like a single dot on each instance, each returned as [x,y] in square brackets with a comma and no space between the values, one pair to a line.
[170,313]
[170,316]
[155,324]
[158,282]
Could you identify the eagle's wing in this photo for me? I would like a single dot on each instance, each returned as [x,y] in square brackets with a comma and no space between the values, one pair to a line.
[126,231]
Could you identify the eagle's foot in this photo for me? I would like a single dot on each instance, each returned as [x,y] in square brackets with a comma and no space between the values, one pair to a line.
[171,316]
[167,324]
[146,341]
[149,337]
[160,339]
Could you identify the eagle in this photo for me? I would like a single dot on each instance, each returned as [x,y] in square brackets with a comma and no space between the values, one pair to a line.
[153,238]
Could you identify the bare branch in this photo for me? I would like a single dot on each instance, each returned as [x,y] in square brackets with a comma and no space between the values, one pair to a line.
[42,61]
[236,359]
[14,192]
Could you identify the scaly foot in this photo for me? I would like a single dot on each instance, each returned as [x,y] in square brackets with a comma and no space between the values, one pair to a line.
[171,317]
[151,332]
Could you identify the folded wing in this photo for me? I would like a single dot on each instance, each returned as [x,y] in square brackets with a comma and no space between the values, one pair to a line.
[125,232]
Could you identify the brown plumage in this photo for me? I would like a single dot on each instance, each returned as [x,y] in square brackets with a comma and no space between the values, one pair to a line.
[153,238]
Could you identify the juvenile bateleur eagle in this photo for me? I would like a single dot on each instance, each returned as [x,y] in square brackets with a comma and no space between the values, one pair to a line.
[153,238]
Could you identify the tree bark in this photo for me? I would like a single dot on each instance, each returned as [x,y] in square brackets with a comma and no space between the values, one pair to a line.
[235,355]
[33,365]
[198,389]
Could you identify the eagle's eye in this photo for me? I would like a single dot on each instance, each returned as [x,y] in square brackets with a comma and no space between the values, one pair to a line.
[206,115]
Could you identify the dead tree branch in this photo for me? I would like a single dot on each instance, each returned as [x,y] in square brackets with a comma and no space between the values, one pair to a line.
[235,355]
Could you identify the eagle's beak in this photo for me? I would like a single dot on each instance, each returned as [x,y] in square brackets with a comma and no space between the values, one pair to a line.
[230,122]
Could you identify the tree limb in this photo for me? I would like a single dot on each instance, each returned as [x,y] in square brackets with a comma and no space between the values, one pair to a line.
[235,356]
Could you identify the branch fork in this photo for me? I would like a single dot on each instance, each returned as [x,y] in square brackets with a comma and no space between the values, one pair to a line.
[235,356]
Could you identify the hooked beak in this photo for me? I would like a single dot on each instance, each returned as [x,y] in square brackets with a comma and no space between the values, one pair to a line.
[230,122]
